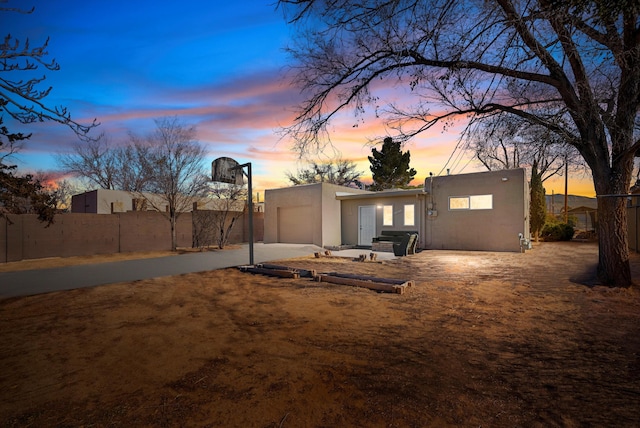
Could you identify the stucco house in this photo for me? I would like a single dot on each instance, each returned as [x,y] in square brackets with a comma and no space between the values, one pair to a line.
[106,201]
[305,214]
[478,211]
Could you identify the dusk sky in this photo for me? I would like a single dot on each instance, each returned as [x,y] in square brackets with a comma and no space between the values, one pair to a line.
[217,65]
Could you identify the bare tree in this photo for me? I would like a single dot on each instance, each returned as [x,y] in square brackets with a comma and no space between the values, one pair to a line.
[174,164]
[92,161]
[103,163]
[340,171]
[577,61]
[164,169]
[505,141]
[24,100]
[64,190]
[10,143]
[216,224]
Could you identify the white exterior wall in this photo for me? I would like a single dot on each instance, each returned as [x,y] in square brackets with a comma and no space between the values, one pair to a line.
[305,214]
[99,202]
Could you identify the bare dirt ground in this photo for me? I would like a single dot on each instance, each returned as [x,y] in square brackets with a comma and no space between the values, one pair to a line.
[483,339]
[53,262]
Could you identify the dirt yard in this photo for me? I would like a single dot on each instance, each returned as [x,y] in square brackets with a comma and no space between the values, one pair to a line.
[483,339]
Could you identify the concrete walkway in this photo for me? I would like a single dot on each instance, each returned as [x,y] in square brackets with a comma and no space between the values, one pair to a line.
[25,283]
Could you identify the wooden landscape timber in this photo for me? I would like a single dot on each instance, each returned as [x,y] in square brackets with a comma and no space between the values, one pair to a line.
[303,272]
[388,285]
[281,273]
[372,283]
[278,270]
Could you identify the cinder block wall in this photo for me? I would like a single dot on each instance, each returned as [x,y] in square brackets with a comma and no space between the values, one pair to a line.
[24,237]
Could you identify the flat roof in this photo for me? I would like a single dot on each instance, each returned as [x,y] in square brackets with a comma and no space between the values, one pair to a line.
[395,193]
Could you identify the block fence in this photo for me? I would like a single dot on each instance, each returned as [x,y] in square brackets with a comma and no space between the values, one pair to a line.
[24,237]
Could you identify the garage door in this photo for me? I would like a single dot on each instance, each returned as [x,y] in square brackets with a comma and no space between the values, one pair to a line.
[295,224]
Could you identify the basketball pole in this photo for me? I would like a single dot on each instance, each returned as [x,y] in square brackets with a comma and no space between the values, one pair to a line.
[219,173]
[250,200]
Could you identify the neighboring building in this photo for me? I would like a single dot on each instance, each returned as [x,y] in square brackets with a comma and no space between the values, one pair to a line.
[104,201]
[585,217]
[479,211]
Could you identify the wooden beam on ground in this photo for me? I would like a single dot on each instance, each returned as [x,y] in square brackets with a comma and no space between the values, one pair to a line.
[271,272]
[368,283]
[373,278]
[305,273]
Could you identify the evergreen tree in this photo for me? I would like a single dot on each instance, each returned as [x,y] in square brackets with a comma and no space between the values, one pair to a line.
[390,167]
[538,206]
[21,194]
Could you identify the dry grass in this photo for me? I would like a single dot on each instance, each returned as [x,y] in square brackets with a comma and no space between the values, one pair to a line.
[483,339]
[54,262]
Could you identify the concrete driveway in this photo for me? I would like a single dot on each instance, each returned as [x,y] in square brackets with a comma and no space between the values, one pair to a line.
[24,283]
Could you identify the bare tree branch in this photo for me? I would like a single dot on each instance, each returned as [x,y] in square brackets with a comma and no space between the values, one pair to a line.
[24,100]
[577,61]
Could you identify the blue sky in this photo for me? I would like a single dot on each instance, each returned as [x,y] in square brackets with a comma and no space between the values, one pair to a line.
[217,65]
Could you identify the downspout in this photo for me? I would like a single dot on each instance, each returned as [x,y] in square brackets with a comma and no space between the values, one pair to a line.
[429,210]
[422,227]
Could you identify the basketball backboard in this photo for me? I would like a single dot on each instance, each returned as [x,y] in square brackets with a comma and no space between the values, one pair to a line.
[227,170]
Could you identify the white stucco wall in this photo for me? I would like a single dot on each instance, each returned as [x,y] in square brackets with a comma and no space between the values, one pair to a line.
[301,213]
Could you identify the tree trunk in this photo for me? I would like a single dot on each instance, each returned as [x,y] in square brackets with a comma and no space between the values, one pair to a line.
[613,262]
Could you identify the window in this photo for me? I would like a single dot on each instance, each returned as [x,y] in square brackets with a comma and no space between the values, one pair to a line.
[387,215]
[474,202]
[409,215]
[481,202]
[459,203]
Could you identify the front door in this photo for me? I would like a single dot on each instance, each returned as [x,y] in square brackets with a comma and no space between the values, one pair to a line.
[366,224]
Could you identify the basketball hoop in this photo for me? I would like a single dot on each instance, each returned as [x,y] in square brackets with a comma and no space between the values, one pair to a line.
[227,170]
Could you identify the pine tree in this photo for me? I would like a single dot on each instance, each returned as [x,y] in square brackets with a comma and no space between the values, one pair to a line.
[538,206]
[390,167]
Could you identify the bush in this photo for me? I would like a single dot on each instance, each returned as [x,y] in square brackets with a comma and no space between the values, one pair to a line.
[557,232]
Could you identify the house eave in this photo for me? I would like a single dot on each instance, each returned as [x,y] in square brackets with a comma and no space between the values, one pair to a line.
[383,194]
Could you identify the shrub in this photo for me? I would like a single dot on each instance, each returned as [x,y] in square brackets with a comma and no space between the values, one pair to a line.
[557,232]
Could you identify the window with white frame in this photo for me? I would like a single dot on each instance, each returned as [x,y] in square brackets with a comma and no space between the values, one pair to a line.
[409,215]
[472,202]
[387,215]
